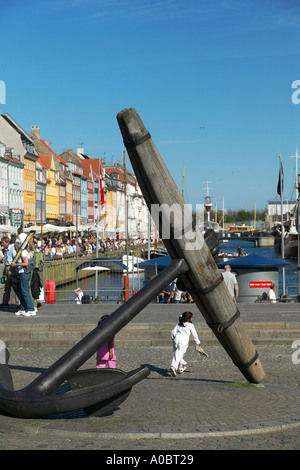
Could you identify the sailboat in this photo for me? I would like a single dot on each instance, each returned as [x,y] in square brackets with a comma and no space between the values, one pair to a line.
[289,228]
[290,238]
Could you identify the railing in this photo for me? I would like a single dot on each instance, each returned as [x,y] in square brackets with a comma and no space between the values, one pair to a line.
[104,296]
[63,269]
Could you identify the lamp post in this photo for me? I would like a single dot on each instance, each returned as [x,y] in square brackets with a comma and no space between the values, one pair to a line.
[76,243]
[298,235]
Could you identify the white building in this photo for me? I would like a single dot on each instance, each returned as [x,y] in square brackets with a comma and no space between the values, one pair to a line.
[274,207]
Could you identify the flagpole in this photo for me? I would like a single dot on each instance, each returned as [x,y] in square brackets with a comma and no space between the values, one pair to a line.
[97,237]
[282,228]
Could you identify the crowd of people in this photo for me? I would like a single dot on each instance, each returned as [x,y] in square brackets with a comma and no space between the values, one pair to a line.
[55,247]
[63,245]
[172,294]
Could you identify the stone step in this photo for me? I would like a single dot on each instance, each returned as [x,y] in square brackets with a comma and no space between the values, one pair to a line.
[135,334]
[129,343]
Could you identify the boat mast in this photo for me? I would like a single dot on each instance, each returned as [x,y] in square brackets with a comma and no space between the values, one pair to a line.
[223,215]
[296,173]
[297,219]
[282,228]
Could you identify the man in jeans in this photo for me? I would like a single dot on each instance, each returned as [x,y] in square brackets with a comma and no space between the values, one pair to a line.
[27,307]
[9,255]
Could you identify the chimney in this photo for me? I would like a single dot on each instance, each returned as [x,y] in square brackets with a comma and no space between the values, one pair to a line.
[36,131]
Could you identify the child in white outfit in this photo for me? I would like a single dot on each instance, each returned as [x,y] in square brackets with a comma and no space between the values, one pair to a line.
[180,336]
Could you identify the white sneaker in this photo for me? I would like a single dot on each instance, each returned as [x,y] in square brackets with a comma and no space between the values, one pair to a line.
[181,369]
[173,371]
[20,312]
[29,313]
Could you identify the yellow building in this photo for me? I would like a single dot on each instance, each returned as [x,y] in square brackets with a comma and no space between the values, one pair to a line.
[29,188]
[52,189]
[110,209]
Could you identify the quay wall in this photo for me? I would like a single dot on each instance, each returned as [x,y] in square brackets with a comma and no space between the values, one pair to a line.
[64,271]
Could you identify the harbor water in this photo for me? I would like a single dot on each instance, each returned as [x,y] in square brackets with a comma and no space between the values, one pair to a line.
[110,286]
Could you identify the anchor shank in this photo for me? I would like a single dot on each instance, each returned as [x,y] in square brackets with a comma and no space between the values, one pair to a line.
[169,211]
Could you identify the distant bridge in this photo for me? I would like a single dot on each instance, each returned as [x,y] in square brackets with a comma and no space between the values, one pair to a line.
[259,238]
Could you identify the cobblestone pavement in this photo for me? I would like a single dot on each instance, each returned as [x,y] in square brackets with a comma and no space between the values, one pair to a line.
[210,406]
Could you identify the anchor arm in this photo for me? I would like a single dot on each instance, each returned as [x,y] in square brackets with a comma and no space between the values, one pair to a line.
[49,380]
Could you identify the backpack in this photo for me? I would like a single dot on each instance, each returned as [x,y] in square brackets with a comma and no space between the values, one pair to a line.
[85,299]
[31,265]
[39,261]
[264,296]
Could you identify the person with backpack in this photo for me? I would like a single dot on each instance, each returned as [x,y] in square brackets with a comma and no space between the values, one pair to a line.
[36,280]
[79,295]
[24,266]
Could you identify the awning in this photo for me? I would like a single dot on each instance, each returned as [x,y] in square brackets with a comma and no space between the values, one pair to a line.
[113,265]
[160,262]
[254,261]
[8,229]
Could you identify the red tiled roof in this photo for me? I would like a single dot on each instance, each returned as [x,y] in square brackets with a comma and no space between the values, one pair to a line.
[120,172]
[45,160]
[52,151]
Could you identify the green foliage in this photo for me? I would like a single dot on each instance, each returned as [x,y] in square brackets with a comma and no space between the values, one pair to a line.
[240,215]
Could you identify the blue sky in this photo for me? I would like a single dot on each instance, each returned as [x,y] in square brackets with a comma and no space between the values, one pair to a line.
[211,80]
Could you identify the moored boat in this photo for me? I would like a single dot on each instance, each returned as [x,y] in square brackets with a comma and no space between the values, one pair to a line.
[290,239]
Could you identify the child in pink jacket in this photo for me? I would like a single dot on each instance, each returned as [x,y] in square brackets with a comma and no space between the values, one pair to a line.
[106,354]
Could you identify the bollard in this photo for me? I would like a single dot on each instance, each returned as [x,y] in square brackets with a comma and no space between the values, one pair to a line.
[50,289]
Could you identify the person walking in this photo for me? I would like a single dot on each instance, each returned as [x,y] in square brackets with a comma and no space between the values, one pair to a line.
[180,337]
[24,271]
[106,353]
[9,281]
[231,282]
[35,283]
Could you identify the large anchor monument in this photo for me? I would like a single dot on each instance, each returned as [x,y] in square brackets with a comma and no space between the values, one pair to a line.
[101,390]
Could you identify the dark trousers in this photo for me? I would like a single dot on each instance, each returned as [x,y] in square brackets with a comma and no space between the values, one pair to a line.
[8,285]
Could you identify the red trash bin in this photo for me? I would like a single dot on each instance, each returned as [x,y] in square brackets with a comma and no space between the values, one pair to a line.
[50,289]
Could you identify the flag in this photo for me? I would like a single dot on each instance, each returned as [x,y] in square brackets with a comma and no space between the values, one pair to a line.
[102,193]
[280,179]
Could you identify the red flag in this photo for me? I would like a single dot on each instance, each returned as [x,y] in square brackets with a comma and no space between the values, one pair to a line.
[102,193]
